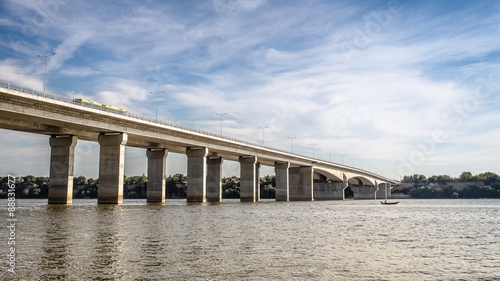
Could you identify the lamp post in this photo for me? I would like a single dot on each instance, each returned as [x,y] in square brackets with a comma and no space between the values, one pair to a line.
[262,128]
[343,158]
[330,155]
[157,102]
[221,114]
[354,158]
[313,145]
[291,138]
[362,166]
[45,75]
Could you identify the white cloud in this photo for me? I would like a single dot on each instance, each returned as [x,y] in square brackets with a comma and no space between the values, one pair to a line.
[78,71]
[12,72]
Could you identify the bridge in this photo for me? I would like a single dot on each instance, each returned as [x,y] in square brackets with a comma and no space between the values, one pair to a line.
[66,121]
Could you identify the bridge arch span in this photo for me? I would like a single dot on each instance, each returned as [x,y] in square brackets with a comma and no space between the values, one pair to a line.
[345,176]
[362,180]
[331,174]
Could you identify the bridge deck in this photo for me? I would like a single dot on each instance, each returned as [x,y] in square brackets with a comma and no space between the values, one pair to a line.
[27,110]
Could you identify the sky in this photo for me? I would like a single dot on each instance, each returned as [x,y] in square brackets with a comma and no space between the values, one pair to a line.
[393,87]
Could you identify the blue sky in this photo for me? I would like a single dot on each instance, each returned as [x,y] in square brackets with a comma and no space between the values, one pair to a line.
[399,87]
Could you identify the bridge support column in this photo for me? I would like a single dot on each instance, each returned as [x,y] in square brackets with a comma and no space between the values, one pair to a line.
[62,159]
[157,162]
[380,193]
[301,183]
[382,189]
[282,181]
[247,178]
[329,191]
[197,174]
[364,192]
[111,164]
[257,182]
[214,179]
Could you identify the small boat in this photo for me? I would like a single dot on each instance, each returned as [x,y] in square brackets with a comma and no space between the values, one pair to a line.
[389,203]
[385,202]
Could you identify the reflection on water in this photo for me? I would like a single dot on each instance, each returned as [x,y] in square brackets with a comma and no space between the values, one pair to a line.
[56,238]
[327,240]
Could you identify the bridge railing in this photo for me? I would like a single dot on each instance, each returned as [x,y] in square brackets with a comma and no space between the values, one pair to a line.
[27,90]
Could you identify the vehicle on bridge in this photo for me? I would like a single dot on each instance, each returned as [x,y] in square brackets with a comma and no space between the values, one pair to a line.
[101,106]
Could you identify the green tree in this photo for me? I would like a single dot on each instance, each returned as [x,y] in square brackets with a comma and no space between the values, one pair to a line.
[407,179]
[29,179]
[491,178]
[81,180]
[427,191]
[473,191]
[231,187]
[433,179]
[449,191]
[172,185]
[36,192]
[466,176]
[268,191]
[443,179]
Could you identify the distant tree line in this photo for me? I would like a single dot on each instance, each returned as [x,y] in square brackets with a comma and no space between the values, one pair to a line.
[484,185]
[133,188]
[26,187]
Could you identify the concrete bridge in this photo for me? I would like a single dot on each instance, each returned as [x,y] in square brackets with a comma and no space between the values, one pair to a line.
[66,121]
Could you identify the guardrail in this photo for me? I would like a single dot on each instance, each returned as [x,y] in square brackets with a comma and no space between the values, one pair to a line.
[26,90]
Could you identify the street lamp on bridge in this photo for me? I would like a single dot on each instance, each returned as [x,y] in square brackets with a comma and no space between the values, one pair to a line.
[313,145]
[343,157]
[262,128]
[221,114]
[330,155]
[156,102]
[45,75]
[291,138]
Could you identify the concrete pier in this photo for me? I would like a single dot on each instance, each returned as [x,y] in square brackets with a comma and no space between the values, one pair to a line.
[382,189]
[330,191]
[257,181]
[196,174]
[62,159]
[247,178]
[301,183]
[380,193]
[364,192]
[157,163]
[111,164]
[282,180]
[214,179]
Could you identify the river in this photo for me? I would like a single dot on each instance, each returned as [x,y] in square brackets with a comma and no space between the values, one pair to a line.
[321,240]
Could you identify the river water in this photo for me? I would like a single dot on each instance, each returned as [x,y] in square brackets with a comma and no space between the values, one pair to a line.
[321,240]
